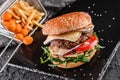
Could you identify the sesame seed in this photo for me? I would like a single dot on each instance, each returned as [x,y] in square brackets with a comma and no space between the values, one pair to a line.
[98,56]
[101,39]
[100,14]
[99,74]
[88,7]
[83,74]
[90,74]
[92,78]
[97,14]
[113,18]
[93,4]
[99,31]
[109,26]
[64,74]
[74,70]
[92,12]
[81,69]
[69,6]
[102,30]
[49,69]
[105,11]
[75,75]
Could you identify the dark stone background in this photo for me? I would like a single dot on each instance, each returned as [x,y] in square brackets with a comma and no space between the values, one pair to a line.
[13,73]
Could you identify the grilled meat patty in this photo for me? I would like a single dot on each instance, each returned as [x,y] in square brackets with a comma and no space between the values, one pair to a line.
[65,44]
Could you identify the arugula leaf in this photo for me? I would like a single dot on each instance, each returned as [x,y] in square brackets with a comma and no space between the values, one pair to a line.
[81,58]
[85,59]
[57,60]
[98,47]
[53,65]
[43,61]
[65,63]
[46,50]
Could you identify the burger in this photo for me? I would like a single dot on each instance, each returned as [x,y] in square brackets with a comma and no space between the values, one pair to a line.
[71,38]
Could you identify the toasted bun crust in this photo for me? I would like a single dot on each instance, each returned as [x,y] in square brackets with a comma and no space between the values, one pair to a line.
[73,65]
[68,22]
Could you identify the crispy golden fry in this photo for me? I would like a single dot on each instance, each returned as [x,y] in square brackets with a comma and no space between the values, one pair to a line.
[13,14]
[23,20]
[39,25]
[22,14]
[30,28]
[18,21]
[30,18]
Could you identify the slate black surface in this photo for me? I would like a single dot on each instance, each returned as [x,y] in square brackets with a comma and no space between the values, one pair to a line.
[12,73]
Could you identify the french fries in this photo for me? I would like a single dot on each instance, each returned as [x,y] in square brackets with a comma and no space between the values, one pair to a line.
[27,15]
[24,15]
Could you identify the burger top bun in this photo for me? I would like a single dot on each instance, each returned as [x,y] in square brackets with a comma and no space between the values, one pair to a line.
[68,22]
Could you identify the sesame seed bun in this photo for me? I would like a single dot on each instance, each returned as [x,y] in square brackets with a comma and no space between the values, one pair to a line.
[68,22]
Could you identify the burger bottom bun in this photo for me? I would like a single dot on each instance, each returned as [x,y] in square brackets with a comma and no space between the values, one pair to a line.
[72,64]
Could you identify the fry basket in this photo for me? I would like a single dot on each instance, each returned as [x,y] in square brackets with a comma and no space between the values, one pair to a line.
[7,52]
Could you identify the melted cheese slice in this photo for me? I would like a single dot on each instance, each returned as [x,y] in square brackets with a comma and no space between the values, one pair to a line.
[72,36]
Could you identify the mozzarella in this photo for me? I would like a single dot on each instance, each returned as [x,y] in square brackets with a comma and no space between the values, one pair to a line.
[71,36]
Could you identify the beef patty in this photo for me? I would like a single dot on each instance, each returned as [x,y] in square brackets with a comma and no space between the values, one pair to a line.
[65,44]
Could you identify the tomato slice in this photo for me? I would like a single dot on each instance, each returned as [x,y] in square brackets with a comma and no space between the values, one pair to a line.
[89,44]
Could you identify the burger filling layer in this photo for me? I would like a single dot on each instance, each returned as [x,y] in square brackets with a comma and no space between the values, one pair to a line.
[65,44]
